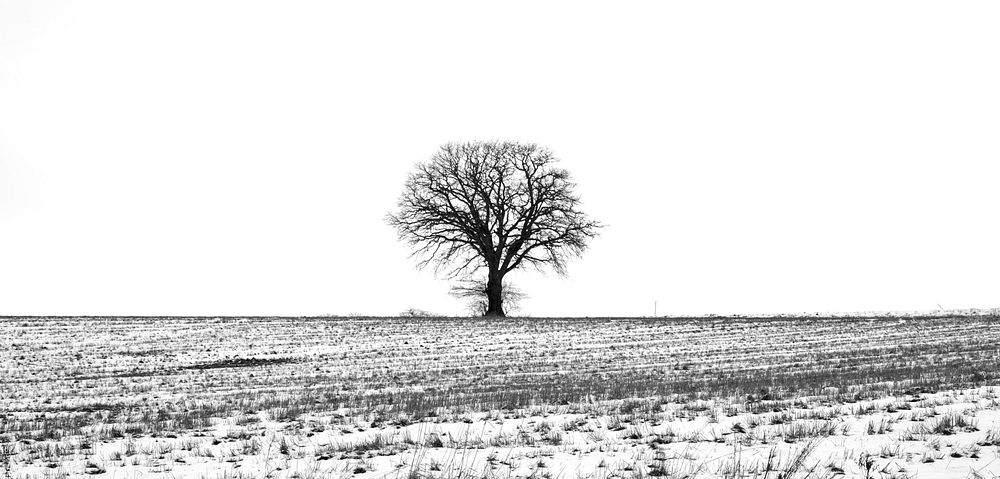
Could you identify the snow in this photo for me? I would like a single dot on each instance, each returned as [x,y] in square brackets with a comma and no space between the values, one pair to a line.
[151,399]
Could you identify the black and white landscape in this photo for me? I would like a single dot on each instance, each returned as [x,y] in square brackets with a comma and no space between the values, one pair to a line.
[457,240]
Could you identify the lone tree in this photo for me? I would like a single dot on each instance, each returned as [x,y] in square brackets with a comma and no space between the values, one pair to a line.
[495,206]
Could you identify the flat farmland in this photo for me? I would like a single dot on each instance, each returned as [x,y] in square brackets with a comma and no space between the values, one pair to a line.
[446,397]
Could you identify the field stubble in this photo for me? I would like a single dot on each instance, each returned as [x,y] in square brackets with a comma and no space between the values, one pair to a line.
[436,397]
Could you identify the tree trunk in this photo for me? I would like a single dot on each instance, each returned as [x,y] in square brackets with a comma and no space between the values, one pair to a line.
[494,295]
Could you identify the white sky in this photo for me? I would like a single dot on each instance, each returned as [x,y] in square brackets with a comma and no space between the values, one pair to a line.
[211,157]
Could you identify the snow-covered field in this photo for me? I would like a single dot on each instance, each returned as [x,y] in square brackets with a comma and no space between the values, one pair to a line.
[545,398]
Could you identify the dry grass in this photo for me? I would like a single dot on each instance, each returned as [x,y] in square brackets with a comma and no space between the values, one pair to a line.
[171,392]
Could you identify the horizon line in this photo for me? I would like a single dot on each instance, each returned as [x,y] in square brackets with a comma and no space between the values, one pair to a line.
[814,315]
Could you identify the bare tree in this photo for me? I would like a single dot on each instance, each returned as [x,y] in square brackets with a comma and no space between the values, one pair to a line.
[495,206]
